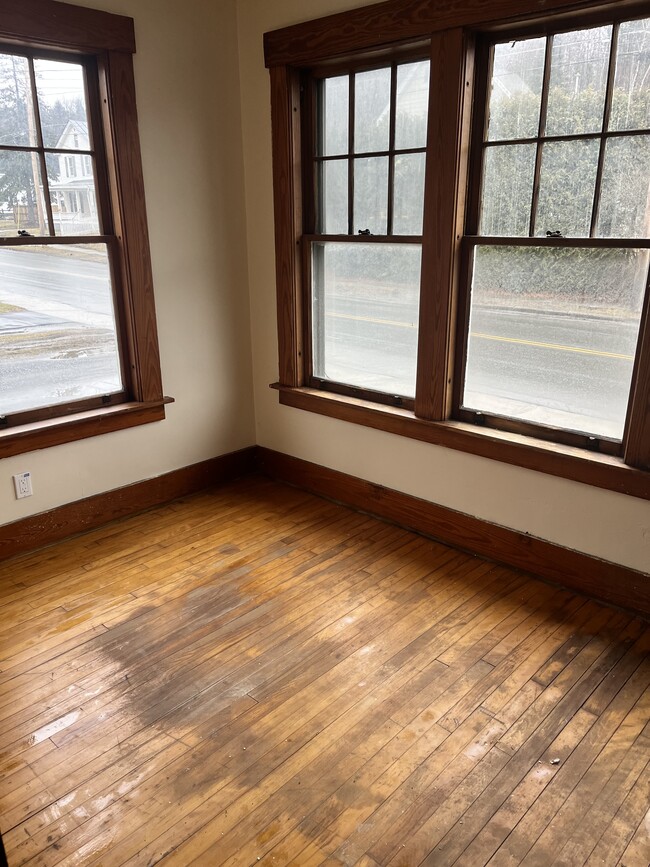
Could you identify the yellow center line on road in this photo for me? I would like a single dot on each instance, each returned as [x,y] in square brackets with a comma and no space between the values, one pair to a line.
[558,347]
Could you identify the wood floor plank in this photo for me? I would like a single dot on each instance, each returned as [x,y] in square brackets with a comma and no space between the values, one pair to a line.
[255,675]
[637,852]
[541,813]
[618,833]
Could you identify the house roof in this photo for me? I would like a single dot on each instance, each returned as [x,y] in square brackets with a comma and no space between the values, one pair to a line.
[79,127]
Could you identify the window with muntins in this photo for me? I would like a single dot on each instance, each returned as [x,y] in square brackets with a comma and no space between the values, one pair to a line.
[78,342]
[559,265]
[59,327]
[472,222]
[368,161]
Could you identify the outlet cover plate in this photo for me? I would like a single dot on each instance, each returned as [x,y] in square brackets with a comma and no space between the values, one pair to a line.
[23,485]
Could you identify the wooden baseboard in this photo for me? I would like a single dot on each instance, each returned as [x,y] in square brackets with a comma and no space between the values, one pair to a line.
[64,521]
[606,581]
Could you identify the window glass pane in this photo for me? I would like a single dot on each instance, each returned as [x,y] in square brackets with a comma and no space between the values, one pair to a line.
[412,105]
[62,103]
[508,176]
[17,123]
[579,65]
[72,187]
[334,197]
[22,208]
[371,195]
[57,327]
[372,110]
[631,97]
[334,116]
[365,314]
[515,98]
[625,194]
[566,187]
[553,333]
[408,200]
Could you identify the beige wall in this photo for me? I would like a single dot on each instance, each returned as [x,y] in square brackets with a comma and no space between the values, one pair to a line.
[201,227]
[601,523]
[190,130]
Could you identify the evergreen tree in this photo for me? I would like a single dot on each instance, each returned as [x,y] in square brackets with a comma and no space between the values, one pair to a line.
[20,171]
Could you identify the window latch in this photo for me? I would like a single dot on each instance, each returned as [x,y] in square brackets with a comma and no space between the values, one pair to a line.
[555,234]
[365,232]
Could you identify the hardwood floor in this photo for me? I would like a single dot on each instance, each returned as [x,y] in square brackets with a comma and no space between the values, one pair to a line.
[257,676]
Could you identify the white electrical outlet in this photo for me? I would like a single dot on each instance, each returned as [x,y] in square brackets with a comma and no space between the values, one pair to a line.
[23,485]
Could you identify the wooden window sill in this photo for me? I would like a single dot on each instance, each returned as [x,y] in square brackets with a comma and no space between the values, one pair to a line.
[65,429]
[602,471]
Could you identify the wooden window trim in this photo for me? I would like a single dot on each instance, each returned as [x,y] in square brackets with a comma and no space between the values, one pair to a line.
[314,234]
[579,465]
[379,31]
[47,24]
[634,447]
[81,425]
[110,40]
[380,27]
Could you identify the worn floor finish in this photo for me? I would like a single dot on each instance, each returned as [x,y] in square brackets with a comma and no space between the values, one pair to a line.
[256,676]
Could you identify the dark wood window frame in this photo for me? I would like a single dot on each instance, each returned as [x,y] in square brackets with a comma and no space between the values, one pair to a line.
[453,34]
[314,235]
[104,43]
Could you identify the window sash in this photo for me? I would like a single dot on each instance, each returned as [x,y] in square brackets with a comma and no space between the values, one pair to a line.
[105,43]
[449,214]
[472,238]
[105,237]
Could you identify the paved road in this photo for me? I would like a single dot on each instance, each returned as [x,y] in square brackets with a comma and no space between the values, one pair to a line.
[549,368]
[30,383]
[74,289]
[61,345]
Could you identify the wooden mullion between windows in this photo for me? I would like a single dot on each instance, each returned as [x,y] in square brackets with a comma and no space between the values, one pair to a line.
[636,441]
[483,59]
[444,210]
[287,200]
[117,90]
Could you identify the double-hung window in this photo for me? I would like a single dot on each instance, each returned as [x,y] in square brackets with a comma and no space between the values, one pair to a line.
[463,229]
[78,346]
[60,341]
[560,231]
[364,255]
